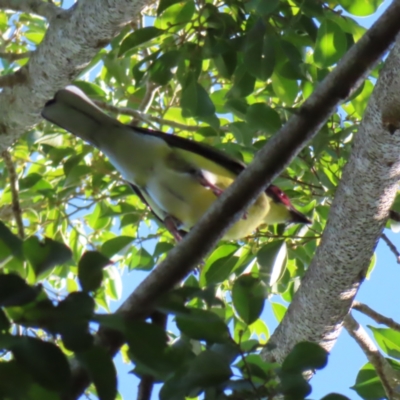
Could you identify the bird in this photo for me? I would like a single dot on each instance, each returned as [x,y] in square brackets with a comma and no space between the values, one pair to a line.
[177,178]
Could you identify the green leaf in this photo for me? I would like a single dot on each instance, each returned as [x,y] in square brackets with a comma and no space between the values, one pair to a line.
[259,51]
[46,254]
[272,259]
[10,244]
[44,361]
[141,259]
[5,324]
[14,291]
[226,63]
[388,340]
[360,8]
[331,44]
[248,296]
[238,107]
[279,310]
[243,84]
[138,37]
[219,265]
[368,385]
[335,396]
[115,245]
[90,270]
[76,175]
[207,369]
[91,89]
[15,382]
[294,385]
[285,89]
[262,117]
[99,364]
[196,102]
[175,16]
[203,325]
[360,102]
[262,7]
[164,4]
[161,69]
[305,356]
[148,348]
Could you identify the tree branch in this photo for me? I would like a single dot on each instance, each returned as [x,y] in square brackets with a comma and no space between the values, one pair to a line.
[144,117]
[357,217]
[387,375]
[379,318]
[392,247]
[268,163]
[38,7]
[72,40]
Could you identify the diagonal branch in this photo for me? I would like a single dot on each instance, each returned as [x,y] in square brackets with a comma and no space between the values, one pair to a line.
[389,378]
[392,247]
[356,220]
[44,9]
[377,317]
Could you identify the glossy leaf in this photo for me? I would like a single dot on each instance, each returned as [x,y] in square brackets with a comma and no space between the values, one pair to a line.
[248,295]
[99,364]
[46,254]
[90,270]
[331,44]
[139,37]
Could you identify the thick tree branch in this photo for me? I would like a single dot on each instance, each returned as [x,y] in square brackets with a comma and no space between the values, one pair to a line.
[38,7]
[379,318]
[356,221]
[72,40]
[268,163]
[389,378]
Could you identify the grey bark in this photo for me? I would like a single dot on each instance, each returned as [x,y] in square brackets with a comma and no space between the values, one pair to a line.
[72,40]
[356,221]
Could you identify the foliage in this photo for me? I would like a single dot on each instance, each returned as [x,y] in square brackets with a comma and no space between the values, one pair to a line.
[228,74]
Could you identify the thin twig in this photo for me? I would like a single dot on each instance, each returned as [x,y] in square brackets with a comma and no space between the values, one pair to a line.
[148,97]
[15,56]
[14,192]
[389,378]
[38,7]
[144,117]
[379,318]
[392,247]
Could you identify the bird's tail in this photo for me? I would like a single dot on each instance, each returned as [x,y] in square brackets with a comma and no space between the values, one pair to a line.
[72,110]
